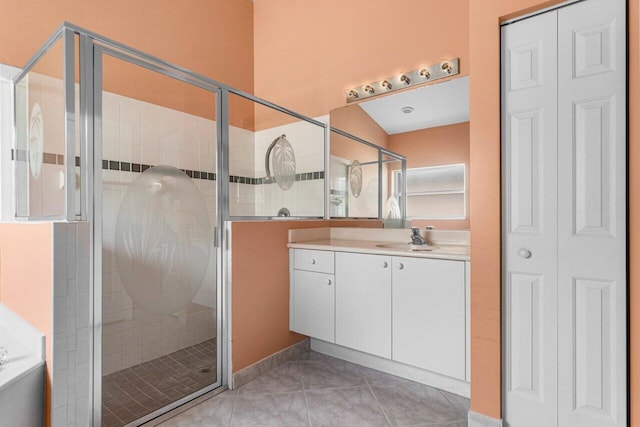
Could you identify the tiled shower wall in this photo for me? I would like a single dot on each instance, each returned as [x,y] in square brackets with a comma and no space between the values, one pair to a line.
[71,381]
[305,197]
[247,159]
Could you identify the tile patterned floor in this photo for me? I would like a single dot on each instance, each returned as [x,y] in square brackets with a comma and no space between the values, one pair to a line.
[322,391]
[134,392]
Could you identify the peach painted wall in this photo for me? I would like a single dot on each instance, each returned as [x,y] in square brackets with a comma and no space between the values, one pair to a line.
[308,53]
[26,282]
[211,37]
[354,120]
[260,287]
[442,145]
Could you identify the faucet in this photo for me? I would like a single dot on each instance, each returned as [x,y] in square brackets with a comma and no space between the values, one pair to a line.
[416,238]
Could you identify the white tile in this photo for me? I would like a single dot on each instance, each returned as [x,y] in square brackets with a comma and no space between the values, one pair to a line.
[83,412]
[71,297]
[59,389]
[132,338]
[131,357]
[59,352]
[71,336]
[83,380]
[60,315]
[60,277]
[71,267]
[83,240]
[151,331]
[71,407]
[170,344]
[82,310]
[187,338]
[71,369]
[112,343]
[71,247]
[151,350]
[83,274]
[59,417]
[111,363]
[59,240]
[170,326]
[83,346]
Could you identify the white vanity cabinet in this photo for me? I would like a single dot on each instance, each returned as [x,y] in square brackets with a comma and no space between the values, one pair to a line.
[363,302]
[429,322]
[410,312]
[312,298]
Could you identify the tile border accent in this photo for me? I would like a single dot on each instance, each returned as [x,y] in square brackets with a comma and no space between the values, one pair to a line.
[115,165]
[269,363]
[479,420]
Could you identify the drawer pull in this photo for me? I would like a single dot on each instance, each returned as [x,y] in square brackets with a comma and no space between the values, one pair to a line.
[329,282]
[384,264]
[313,261]
[399,266]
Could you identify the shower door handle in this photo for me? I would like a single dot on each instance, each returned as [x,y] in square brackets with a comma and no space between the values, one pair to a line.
[216,240]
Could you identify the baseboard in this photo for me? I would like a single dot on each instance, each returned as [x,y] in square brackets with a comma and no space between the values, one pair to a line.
[452,385]
[479,420]
[252,372]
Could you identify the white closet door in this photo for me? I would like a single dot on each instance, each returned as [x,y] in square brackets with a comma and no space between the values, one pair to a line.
[529,137]
[592,214]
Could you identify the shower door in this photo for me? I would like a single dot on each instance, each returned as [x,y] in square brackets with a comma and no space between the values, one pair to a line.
[156,219]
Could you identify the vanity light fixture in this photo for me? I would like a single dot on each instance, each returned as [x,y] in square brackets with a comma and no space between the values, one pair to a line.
[446,68]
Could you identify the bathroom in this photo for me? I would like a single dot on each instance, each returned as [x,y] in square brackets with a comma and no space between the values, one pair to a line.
[255,47]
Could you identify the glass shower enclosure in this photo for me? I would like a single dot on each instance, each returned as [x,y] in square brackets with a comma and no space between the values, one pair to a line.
[146,153]
[156,161]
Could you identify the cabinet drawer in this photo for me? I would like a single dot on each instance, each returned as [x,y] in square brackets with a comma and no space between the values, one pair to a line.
[310,260]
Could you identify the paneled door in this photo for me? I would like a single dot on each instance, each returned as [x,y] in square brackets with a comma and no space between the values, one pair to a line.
[530,135]
[592,214]
[564,203]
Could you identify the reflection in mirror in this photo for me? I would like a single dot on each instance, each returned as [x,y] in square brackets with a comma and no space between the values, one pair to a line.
[394,207]
[353,183]
[435,192]
[430,126]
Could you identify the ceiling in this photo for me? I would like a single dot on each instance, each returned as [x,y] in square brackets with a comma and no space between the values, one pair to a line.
[433,105]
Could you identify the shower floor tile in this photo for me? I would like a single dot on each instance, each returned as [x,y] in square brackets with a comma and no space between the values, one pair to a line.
[131,393]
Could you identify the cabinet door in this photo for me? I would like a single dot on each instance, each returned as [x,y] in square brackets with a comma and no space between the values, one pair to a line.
[429,314]
[363,303]
[313,308]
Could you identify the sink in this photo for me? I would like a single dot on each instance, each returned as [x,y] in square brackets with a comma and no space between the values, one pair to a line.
[407,247]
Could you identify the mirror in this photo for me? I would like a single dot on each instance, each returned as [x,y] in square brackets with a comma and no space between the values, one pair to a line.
[430,126]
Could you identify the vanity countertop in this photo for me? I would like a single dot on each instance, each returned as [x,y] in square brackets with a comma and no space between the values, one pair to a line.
[374,242]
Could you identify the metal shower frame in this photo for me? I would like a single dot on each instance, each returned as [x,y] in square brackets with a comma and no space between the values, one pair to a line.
[88,51]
